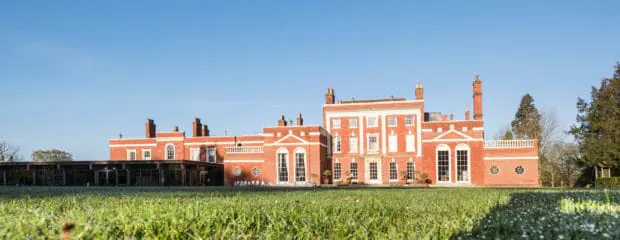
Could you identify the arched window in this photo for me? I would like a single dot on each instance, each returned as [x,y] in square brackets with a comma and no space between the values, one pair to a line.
[443,163]
[282,165]
[462,163]
[170,151]
[300,165]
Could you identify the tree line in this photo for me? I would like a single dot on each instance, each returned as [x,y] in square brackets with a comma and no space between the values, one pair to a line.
[10,153]
[596,133]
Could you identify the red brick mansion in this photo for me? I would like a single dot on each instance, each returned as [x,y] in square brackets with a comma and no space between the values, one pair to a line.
[380,141]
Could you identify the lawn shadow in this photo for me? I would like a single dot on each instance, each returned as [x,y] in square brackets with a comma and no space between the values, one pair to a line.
[551,214]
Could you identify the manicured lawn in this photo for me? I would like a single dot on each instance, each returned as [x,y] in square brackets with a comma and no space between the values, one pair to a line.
[191,213]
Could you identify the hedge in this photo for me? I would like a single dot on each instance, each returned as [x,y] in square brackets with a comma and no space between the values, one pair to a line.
[608,182]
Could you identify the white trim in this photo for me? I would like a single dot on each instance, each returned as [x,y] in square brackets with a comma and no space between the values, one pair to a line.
[393,145]
[462,147]
[443,147]
[455,140]
[454,121]
[427,130]
[134,145]
[477,129]
[290,134]
[150,154]
[356,144]
[512,158]
[135,154]
[191,154]
[419,134]
[288,165]
[221,143]
[452,131]
[334,125]
[368,140]
[267,134]
[370,103]
[174,150]
[244,161]
[169,139]
[295,144]
[376,121]
[314,133]
[361,136]
[383,133]
[214,154]
[300,150]
[464,129]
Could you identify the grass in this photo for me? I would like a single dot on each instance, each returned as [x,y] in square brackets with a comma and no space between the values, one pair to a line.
[198,213]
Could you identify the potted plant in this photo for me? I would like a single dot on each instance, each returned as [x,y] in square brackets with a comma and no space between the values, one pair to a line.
[315,179]
[346,180]
[326,174]
[403,177]
[424,180]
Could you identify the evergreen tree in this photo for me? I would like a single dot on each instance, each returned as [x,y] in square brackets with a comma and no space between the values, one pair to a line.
[507,135]
[598,124]
[527,120]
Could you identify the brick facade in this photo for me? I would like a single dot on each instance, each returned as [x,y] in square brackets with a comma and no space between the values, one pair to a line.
[378,139]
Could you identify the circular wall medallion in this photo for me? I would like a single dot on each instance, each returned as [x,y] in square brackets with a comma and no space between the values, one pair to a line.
[256,171]
[494,170]
[237,172]
[519,170]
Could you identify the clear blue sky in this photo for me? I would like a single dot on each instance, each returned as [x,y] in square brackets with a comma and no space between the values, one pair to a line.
[74,74]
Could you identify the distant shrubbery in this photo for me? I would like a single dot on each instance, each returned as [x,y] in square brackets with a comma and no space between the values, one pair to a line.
[608,182]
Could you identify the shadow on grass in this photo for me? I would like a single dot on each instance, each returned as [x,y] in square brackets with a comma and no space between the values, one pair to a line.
[576,214]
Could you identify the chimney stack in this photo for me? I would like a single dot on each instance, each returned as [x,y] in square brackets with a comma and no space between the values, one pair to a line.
[150,128]
[300,120]
[451,116]
[175,129]
[477,87]
[205,130]
[467,114]
[419,91]
[282,121]
[329,96]
[196,128]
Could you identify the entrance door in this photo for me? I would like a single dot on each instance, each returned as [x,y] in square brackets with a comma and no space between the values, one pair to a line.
[373,175]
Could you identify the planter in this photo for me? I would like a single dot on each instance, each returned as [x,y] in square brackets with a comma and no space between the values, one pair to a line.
[325,180]
[403,181]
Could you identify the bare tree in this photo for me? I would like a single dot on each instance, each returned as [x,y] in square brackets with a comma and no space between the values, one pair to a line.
[568,165]
[549,145]
[499,135]
[9,153]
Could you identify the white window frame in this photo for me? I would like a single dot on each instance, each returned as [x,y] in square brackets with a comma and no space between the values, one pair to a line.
[167,152]
[208,155]
[135,155]
[410,175]
[412,120]
[410,142]
[443,147]
[194,154]
[282,151]
[354,120]
[376,135]
[337,144]
[374,124]
[301,150]
[390,123]
[463,147]
[393,143]
[337,170]
[353,144]
[336,120]
[395,165]
[357,169]
[150,154]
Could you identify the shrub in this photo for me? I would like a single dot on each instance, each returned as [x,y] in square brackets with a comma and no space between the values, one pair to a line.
[608,182]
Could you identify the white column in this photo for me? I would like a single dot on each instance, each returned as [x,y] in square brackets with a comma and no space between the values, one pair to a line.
[361,136]
[383,145]
[419,133]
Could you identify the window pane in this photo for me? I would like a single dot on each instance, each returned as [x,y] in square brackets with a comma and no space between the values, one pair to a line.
[410,143]
[353,170]
[371,122]
[393,171]
[337,171]
[353,144]
[391,121]
[337,144]
[461,166]
[300,167]
[353,123]
[373,171]
[373,145]
[282,167]
[410,171]
[336,123]
[443,165]
[409,120]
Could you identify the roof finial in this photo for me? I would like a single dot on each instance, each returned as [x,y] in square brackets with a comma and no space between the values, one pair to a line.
[477,77]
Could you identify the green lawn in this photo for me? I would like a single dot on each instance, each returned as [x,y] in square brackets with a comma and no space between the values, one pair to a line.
[192,213]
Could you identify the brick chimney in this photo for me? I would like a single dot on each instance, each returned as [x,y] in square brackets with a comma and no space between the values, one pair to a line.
[150,128]
[300,120]
[282,121]
[477,87]
[196,128]
[467,114]
[205,130]
[419,91]
[329,96]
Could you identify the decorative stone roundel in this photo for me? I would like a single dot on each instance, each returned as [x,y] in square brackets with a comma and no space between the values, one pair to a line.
[237,172]
[256,171]
[494,170]
[519,170]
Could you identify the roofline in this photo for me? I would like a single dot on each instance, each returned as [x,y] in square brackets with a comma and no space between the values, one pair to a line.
[370,103]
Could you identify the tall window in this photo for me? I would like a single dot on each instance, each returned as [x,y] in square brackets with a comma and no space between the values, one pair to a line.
[462,162]
[131,154]
[352,144]
[410,171]
[283,166]
[211,154]
[391,121]
[353,171]
[409,120]
[337,144]
[393,171]
[373,143]
[443,163]
[393,143]
[336,123]
[371,122]
[194,154]
[170,152]
[337,170]
[410,142]
[146,154]
[300,166]
[373,171]
[352,122]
